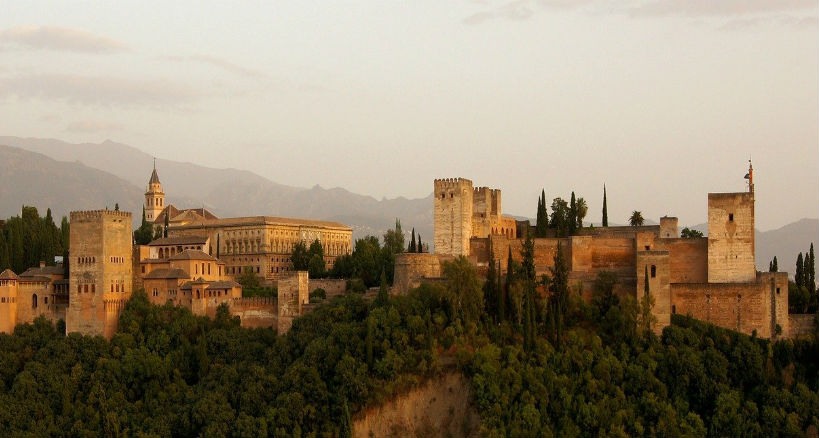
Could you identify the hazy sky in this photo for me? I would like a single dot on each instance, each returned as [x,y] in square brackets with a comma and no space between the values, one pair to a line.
[663,101]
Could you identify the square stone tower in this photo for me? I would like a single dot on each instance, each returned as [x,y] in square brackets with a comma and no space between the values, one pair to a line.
[731,238]
[100,271]
[453,216]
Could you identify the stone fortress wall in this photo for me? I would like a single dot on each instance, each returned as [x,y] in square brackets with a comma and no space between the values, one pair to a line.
[712,278]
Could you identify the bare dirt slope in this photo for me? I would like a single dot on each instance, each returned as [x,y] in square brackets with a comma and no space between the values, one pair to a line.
[438,408]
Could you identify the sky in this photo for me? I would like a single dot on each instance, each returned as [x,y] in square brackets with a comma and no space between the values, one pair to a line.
[661,101]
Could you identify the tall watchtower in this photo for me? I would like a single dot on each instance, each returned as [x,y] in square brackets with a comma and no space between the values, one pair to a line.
[731,236]
[453,216]
[154,197]
[100,270]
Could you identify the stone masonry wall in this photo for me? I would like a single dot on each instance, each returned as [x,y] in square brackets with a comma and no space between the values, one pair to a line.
[452,212]
[731,237]
[743,307]
[411,268]
[293,295]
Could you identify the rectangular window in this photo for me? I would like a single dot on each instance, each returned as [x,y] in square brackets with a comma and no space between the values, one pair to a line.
[653,271]
[730,217]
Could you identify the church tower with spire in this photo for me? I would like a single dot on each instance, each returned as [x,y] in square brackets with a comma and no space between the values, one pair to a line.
[154,197]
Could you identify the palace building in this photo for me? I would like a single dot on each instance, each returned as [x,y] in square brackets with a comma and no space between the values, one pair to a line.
[262,244]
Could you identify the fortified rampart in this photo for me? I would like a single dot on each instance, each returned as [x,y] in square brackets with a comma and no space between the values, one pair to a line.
[713,278]
[255,312]
[745,307]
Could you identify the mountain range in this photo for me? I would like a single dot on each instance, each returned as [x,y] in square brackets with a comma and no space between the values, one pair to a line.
[49,173]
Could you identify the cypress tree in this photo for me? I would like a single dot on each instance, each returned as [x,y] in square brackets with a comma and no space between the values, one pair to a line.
[489,292]
[501,296]
[811,270]
[412,247]
[368,341]
[542,220]
[798,276]
[510,278]
[165,226]
[218,244]
[420,245]
[775,265]
[605,208]
[4,252]
[572,215]
[383,297]
[558,302]
[528,262]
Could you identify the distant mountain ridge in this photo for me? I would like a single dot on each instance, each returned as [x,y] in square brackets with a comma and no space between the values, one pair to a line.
[231,192]
[65,176]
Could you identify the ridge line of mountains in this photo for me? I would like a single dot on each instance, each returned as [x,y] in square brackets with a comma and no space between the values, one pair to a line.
[50,173]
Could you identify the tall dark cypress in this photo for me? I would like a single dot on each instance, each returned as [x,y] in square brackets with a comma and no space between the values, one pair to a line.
[510,278]
[412,242]
[542,220]
[798,275]
[811,270]
[605,208]
[572,215]
[165,225]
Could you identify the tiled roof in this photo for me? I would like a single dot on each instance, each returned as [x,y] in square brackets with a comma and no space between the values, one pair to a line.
[45,270]
[181,240]
[8,274]
[223,284]
[154,178]
[166,274]
[266,220]
[192,254]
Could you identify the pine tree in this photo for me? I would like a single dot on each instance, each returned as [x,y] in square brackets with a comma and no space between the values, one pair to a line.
[572,215]
[605,208]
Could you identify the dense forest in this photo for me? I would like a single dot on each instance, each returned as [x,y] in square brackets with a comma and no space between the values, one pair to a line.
[169,373]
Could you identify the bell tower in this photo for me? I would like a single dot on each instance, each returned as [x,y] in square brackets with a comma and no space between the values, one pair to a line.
[154,197]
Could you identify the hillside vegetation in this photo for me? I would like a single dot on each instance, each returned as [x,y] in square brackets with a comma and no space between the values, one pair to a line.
[169,373]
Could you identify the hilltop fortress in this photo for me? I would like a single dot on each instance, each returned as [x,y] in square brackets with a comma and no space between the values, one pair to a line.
[711,278]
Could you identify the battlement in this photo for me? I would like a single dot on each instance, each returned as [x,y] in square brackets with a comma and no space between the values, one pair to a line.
[95,214]
[489,190]
[451,183]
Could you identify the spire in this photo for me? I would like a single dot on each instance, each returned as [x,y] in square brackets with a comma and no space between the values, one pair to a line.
[154,176]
